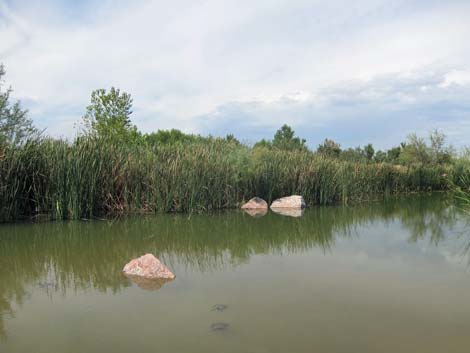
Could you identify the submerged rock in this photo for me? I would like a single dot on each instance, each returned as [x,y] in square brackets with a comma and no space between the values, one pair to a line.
[256,203]
[219,326]
[294,201]
[219,307]
[149,267]
[290,212]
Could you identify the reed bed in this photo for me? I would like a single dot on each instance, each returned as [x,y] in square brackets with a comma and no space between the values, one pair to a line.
[93,177]
[460,184]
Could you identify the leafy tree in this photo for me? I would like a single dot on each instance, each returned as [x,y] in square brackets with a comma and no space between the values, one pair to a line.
[369,152]
[230,138]
[263,144]
[285,139]
[175,136]
[169,137]
[329,148]
[415,151]
[393,154]
[108,115]
[380,156]
[15,126]
[439,152]
[353,154]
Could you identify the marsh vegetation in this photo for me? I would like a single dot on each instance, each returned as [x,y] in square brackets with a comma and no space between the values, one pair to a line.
[110,167]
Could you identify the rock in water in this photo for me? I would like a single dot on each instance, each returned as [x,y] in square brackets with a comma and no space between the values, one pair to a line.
[294,201]
[147,266]
[255,203]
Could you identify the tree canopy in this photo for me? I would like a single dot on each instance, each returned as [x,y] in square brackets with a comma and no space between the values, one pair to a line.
[329,148]
[15,126]
[108,115]
[284,139]
[416,151]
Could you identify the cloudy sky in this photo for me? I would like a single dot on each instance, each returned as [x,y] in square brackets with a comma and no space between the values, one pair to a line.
[355,71]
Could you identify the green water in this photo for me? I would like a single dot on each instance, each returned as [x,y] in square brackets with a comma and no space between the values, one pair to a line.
[381,277]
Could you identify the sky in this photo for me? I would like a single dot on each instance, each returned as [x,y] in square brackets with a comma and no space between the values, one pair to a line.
[358,72]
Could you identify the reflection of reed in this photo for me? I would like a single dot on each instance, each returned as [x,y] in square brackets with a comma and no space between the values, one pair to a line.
[82,255]
[463,234]
[425,219]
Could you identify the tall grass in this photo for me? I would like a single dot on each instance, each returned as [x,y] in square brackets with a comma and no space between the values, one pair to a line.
[460,183]
[92,177]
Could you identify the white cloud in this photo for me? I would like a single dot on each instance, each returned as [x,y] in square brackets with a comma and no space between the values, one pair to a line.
[183,61]
[383,111]
[458,77]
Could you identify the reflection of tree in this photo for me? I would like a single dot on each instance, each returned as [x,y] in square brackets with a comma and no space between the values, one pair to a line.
[82,255]
[426,217]
[463,234]
[5,309]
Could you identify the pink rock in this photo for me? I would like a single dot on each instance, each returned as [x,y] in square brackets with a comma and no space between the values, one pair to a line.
[147,266]
[255,203]
[294,201]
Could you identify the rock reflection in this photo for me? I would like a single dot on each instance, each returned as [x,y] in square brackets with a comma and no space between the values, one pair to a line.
[256,213]
[148,283]
[289,212]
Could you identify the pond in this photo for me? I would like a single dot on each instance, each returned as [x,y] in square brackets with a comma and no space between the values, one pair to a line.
[388,276]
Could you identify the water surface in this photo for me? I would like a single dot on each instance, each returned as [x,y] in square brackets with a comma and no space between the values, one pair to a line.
[380,277]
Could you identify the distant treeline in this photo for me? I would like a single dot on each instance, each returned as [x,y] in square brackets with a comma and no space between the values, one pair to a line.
[111,167]
[414,150]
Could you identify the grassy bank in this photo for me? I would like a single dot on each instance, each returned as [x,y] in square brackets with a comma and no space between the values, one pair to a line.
[94,177]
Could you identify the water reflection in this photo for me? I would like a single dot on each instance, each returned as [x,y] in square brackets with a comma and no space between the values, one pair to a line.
[149,283]
[83,256]
[289,212]
[255,212]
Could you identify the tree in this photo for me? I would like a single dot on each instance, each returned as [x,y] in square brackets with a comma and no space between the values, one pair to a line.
[15,126]
[439,152]
[380,156]
[369,151]
[285,139]
[353,154]
[169,137]
[109,114]
[329,148]
[393,154]
[230,138]
[263,144]
[415,151]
